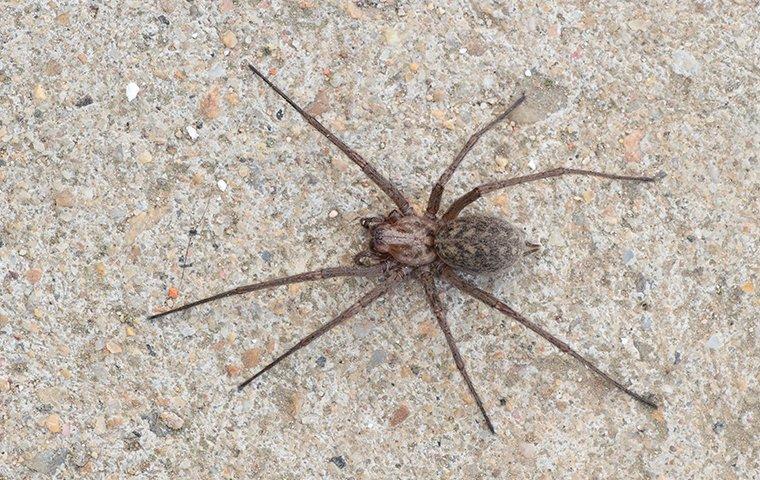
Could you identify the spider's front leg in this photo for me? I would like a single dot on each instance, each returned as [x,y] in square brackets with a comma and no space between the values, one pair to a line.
[370,222]
[486,188]
[396,276]
[368,258]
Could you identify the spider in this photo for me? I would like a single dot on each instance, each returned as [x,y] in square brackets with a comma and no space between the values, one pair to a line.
[408,244]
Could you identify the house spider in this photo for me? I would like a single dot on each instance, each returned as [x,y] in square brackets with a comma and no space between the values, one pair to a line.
[405,243]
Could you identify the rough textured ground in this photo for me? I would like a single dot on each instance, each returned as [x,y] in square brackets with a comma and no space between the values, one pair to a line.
[101,197]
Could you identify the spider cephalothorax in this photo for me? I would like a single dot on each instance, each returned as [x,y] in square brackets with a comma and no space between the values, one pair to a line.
[407,244]
[408,239]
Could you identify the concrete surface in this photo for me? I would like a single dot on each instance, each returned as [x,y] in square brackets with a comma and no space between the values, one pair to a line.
[124,126]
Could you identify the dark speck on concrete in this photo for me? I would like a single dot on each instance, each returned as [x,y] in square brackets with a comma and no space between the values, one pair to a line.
[321,361]
[339,461]
[132,441]
[311,179]
[84,101]
[266,255]
[719,426]
[280,113]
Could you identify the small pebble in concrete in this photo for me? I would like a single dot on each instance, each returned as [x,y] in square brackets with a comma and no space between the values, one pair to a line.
[192,132]
[39,94]
[172,420]
[229,39]
[378,357]
[64,199]
[132,90]
[399,415]
[53,423]
[685,64]
[714,342]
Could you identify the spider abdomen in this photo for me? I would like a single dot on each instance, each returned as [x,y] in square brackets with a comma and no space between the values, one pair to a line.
[479,243]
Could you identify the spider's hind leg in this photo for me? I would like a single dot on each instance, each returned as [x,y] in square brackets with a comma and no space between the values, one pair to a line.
[431,293]
[321,274]
[470,289]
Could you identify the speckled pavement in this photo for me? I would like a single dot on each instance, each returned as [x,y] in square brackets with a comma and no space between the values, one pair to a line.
[142,166]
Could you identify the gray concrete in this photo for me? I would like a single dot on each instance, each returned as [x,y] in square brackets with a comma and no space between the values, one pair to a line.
[656,283]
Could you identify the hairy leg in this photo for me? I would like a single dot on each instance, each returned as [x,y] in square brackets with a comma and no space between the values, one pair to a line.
[502,307]
[481,190]
[320,274]
[365,300]
[368,258]
[434,201]
[369,222]
[385,185]
[435,304]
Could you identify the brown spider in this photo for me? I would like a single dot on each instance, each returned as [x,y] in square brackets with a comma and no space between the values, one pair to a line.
[405,243]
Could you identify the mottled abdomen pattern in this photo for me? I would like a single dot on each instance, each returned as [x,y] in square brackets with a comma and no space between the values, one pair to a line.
[479,243]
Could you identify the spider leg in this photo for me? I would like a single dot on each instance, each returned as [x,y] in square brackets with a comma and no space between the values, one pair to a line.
[434,201]
[431,292]
[490,300]
[320,274]
[481,190]
[368,258]
[385,185]
[365,300]
[369,222]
